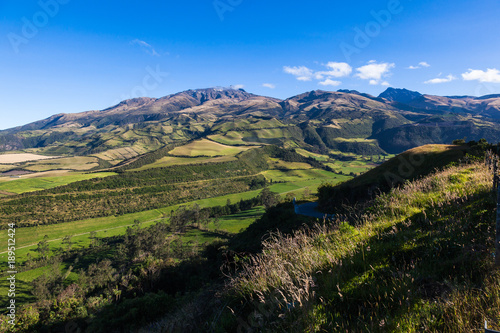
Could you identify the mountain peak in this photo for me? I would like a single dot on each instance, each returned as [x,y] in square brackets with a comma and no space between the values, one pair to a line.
[400,95]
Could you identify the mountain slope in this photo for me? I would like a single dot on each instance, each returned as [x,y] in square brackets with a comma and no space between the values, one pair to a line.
[346,121]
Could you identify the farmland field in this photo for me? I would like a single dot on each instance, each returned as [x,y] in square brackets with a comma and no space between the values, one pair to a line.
[22,157]
[206,147]
[174,160]
[78,163]
[45,180]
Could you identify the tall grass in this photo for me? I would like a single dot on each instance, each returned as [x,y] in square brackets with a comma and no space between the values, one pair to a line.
[417,260]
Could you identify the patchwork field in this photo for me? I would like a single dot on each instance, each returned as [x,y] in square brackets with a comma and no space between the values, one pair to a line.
[275,163]
[206,147]
[45,180]
[77,163]
[307,153]
[117,155]
[22,157]
[175,160]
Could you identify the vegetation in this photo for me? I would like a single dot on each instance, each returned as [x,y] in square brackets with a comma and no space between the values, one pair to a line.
[409,165]
[417,259]
[52,180]
[135,191]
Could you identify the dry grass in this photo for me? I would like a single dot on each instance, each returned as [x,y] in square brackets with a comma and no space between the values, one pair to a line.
[418,260]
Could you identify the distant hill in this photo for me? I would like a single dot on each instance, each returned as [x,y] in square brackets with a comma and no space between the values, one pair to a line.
[409,165]
[345,121]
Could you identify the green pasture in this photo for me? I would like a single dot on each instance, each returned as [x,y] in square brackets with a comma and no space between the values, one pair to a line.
[237,222]
[22,185]
[175,160]
[206,147]
[306,153]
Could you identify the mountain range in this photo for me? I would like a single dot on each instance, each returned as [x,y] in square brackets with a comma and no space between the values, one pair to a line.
[346,121]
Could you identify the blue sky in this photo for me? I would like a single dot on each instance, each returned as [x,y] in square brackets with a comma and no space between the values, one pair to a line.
[63,56]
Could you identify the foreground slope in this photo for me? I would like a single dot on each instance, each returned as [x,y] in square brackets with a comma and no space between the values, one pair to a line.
[418,260]
[408,165]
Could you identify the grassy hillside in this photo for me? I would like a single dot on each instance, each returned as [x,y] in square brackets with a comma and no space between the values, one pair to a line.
[406,166]
[418,260]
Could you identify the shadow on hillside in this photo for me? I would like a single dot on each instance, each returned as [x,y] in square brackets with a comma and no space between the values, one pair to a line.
[412,260]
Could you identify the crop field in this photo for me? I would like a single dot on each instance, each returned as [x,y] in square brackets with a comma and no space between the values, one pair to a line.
[356,167]
[22,157]
[120,154]
[253,136]
[45,180]
[77,163]
[206,147]
[296,181]
[276,163]
[229,138]
[319,157]
[175,160]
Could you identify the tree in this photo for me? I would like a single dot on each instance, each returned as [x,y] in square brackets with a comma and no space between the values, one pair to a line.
[307,192]
[93,238]
[43,248]
[67,241]
[269,199]
[289,196]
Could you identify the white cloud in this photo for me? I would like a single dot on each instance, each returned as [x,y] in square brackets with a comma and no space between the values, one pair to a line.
[330,82]
[302,73]
[448,78]
[269,85]
[491,75]
[385,83]
[145,46]
[420,65]
[238,86]
[337,69]
[374,71]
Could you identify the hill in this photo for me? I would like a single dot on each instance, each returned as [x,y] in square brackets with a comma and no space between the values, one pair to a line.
[418,260]
[408,165]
